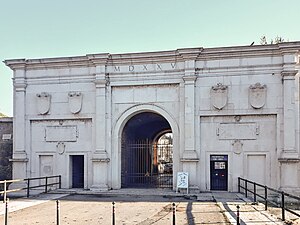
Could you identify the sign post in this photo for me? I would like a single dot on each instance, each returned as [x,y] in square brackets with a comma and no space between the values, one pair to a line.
[182,181]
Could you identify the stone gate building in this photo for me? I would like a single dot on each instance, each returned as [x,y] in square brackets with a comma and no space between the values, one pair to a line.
[111,121]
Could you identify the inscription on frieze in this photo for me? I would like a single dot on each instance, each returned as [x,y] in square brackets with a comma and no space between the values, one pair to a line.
[145,67]
[61,134]
[237,131]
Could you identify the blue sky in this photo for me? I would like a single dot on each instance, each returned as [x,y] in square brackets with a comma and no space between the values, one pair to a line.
[40,28]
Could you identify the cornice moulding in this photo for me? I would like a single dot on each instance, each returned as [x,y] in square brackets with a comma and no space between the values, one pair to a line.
[15,63]
[178,55]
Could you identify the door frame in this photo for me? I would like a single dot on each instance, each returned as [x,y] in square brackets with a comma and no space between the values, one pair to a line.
[226,156]
[85,169]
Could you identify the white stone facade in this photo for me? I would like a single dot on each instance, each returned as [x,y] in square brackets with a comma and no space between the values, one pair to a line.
[242,102]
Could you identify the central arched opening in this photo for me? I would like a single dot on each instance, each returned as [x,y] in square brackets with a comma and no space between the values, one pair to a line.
[147,152]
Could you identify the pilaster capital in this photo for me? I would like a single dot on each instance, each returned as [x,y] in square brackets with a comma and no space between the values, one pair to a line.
[190,155]
[190,79]
[20,85]
[289,74]
[100,156]
[289,160]
[101,80]
[20,155]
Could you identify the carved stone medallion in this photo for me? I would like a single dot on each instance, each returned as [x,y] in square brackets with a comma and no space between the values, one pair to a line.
[237,146]
[257,95]
[43,103]
[75,102]
[60,148]
[219,95]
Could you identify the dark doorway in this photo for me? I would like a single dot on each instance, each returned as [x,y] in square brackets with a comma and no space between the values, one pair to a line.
[77,171]
[147,152]
[219,172]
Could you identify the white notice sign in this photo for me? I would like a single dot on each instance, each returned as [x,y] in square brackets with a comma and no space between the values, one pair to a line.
[182,180]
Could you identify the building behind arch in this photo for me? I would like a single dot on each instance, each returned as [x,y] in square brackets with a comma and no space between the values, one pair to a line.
[232,111]
[6,146]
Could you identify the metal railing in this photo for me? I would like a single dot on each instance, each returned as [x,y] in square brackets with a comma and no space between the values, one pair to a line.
[263,192]
[48,181]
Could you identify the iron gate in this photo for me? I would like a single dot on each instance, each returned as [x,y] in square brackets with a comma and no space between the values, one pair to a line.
[147,165]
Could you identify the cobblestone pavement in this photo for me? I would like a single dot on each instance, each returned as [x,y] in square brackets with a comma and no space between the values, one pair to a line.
[142,209]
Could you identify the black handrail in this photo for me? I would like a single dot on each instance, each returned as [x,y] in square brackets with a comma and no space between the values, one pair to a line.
[28,187]
[283,194]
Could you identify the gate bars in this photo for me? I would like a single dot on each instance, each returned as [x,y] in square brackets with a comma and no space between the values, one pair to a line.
[245,185]
[147,165]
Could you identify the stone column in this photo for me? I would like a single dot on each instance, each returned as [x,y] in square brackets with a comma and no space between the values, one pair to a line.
[19,158]
[100,157]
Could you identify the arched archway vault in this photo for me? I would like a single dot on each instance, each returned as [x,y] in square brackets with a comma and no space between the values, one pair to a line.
[117,138]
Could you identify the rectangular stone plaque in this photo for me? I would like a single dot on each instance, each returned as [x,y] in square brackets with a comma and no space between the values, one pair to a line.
[237,131]
[6,137]
[61,133]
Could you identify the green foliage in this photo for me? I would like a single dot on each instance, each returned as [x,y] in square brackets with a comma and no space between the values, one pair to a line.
[2,115]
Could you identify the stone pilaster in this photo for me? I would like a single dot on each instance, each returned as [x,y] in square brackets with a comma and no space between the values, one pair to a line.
[100,157]
[20,157]
[190,157]
[289,115]
[189,116]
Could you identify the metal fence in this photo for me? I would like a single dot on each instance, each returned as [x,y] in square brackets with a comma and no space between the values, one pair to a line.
[45,182]
[271,196]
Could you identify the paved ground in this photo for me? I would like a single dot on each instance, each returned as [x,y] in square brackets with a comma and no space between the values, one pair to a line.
[137,207]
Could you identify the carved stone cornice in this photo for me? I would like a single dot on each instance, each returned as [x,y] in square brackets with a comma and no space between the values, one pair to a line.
[16,64]
[189,53]
[99,59]
[183,54]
